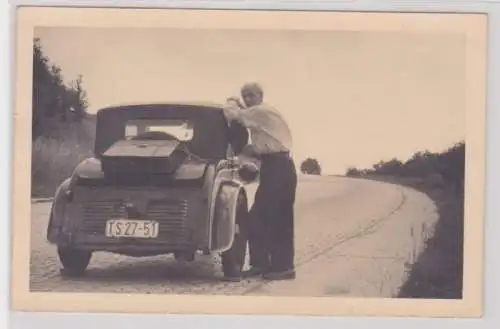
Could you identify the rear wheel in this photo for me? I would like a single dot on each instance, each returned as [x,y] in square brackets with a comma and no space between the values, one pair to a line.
[233,259]
[74,261]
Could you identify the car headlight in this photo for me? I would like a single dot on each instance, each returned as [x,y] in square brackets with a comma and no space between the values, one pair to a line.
[248,172]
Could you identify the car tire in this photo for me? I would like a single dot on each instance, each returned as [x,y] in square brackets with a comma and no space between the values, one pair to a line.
[233,259]
[74,261]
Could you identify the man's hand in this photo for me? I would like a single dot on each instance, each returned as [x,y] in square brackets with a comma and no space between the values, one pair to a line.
[234,101]
[244,115]
[231,112]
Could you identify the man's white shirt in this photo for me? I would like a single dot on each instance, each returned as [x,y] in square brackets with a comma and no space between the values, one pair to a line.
[269,131]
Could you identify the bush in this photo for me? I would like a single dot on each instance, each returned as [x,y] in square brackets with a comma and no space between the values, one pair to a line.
[310,166]
[439,169]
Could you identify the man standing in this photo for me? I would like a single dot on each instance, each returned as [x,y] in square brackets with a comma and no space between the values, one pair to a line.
[272,228]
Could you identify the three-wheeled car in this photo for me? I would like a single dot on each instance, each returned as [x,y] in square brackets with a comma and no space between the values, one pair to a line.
[164,179]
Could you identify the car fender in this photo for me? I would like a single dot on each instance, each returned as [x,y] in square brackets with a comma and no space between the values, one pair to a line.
[224,192]
[225,215]
[58,211]
[250,186]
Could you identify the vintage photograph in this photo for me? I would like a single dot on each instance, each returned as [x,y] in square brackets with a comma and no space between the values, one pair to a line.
[292,162]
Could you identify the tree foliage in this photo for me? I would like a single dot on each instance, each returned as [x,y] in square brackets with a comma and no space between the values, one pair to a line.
[447,166]
[53,101]
[62,131]
[310,166]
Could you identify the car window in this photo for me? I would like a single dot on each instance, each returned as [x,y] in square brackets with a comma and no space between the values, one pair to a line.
[182,130]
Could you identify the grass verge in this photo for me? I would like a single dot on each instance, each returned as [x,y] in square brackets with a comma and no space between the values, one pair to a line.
[438,271]
[53,160]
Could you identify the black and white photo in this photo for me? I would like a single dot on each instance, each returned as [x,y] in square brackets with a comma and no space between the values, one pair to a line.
[253,155]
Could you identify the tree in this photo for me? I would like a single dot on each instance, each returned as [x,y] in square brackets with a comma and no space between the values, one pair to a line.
[53,102]
[392,167]
[437,168]
[310,166]
[353,172]
[80,102]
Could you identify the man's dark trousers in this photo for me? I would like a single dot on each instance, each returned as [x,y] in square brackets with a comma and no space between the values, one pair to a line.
[272,228]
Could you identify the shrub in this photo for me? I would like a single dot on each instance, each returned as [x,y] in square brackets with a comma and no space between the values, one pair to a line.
[310,166]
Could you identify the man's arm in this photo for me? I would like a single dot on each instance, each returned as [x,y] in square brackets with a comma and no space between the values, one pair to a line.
[236,101]
[238,136]
[248,117]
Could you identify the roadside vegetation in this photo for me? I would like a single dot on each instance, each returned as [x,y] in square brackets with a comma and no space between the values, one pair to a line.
[437,273]
[62,130]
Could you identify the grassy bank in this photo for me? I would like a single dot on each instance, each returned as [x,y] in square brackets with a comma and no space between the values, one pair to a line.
[437,272]
[54,161]
[54,158]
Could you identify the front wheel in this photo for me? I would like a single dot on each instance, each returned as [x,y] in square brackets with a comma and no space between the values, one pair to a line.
[233,260]
[74,261]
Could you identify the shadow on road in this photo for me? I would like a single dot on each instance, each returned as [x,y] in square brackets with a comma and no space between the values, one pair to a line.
[152,271]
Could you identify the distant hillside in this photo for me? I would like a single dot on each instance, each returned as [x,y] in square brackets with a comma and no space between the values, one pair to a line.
[62,131]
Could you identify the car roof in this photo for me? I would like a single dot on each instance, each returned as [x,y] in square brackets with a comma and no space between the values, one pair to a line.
[208,118]
[206,105]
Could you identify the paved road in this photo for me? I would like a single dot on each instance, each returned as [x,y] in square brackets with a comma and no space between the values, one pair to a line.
[354,238]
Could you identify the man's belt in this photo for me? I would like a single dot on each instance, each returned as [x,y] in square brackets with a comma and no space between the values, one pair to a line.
[274,155]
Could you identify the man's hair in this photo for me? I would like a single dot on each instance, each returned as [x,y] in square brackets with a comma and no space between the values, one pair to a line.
[253,86]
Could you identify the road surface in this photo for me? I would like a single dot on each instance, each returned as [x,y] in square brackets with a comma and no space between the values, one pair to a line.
[353,238]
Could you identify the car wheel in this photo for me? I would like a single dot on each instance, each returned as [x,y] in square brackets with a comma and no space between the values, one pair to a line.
[74,261]
[233,260]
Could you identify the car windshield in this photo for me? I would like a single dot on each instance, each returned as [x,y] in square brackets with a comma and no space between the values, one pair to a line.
[180,129]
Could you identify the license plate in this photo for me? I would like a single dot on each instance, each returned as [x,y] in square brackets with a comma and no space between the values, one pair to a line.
[128,228]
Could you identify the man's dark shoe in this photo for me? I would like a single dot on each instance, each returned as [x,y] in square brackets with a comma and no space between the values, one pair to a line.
[281,275]
[254,272]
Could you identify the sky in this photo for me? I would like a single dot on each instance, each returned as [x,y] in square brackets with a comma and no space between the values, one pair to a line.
[350,98]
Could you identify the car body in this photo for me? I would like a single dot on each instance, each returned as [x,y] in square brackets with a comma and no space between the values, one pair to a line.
[144,193]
